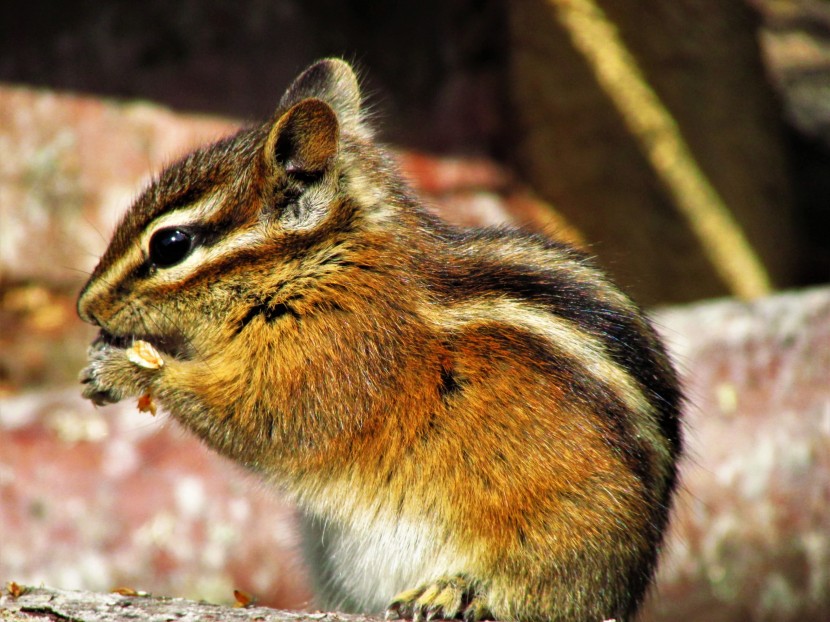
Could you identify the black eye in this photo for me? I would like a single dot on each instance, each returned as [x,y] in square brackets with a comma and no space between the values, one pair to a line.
[170,246]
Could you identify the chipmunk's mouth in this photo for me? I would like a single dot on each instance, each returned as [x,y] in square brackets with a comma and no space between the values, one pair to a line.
[172,345]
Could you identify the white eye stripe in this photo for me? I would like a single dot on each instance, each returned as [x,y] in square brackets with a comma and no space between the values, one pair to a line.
[202,256]
[198,212]
[191,215]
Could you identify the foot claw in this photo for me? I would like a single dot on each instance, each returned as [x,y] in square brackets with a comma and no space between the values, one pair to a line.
[476,611]
[444,598]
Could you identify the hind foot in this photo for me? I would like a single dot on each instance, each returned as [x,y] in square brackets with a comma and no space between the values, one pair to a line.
[444,599]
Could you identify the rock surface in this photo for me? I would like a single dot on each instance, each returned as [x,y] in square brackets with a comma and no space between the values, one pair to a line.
[751,539]
[34,603]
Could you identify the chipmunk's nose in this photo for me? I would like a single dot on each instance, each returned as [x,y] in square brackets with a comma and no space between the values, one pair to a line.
[85,306]
[84,312]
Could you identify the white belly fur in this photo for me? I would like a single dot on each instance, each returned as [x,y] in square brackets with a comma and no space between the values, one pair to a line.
[374,556]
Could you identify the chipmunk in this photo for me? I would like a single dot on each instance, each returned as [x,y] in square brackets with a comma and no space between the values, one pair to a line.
[475,423]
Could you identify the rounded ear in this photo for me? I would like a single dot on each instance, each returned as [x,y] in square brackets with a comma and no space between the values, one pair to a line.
[333,81]
[304,140]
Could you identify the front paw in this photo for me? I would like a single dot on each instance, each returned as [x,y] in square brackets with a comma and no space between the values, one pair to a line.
[98,385]
[110,376]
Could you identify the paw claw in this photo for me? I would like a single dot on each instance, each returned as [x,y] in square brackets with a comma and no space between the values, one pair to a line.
[444,598]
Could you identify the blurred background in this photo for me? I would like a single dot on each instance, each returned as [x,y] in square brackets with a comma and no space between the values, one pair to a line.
[745,81]
[499,112]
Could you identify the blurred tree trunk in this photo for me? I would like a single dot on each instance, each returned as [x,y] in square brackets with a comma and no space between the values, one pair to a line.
[573,146]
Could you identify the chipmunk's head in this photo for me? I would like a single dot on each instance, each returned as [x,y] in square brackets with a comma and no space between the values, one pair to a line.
[241,224]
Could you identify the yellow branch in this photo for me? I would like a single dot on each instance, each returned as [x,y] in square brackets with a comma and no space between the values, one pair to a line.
[652,124]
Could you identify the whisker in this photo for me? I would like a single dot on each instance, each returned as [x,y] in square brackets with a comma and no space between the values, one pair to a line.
[95,228]
[86,273]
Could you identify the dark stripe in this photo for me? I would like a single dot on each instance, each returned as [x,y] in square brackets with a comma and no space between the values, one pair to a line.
[450,383]
[288,245]
[192,193]
[629,339]
[590,394]
[270,313]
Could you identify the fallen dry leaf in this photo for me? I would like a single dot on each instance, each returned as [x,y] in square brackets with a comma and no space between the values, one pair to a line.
[125,591]
[146,404]
[15,589]
[243,599]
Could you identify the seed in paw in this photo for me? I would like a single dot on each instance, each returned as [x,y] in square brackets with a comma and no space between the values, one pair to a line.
[144,355]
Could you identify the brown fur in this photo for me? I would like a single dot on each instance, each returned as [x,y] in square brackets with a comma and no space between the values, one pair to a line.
[476,422]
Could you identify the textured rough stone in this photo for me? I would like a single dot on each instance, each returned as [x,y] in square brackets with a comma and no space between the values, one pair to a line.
[27,604]
[752,535]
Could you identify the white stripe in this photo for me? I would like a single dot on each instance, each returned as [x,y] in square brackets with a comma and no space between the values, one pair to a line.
[563,335]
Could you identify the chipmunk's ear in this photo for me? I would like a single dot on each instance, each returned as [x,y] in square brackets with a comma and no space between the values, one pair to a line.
[333,81]
[303,141]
